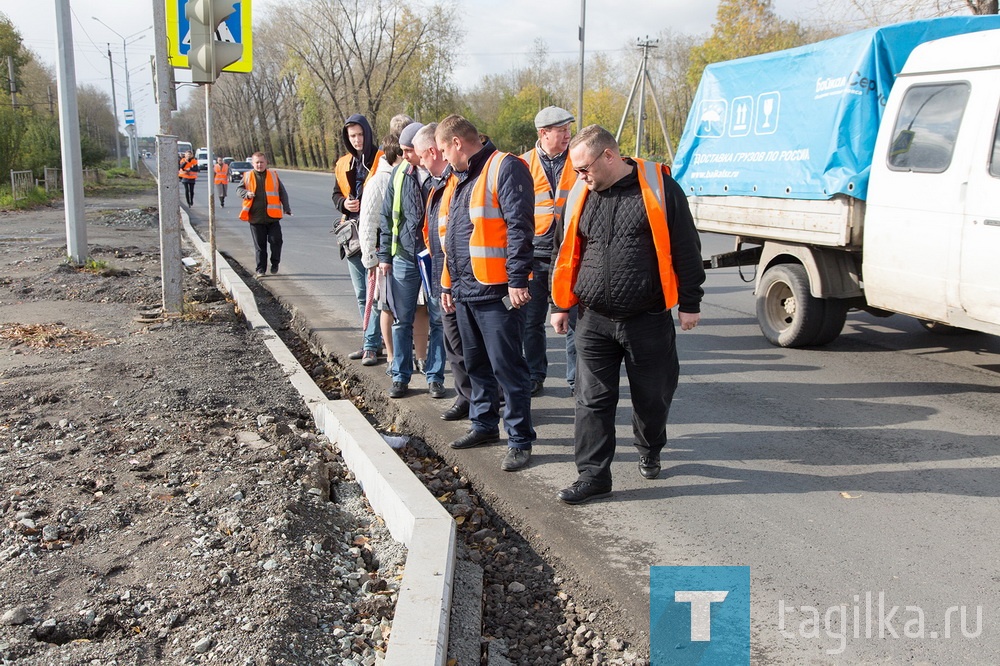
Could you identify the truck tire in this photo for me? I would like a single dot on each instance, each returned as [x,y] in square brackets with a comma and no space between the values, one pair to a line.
[834,316]
[789,316]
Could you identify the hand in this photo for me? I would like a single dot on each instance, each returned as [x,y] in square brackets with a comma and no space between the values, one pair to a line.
[519,296]
[447,304]
[560,322]
[688,320]
[352,205]
[386,269]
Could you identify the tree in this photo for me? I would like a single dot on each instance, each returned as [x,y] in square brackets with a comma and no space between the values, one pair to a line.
[743,28]
[885,12]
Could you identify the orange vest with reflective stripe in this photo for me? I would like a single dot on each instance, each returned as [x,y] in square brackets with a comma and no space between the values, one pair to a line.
[549,205]
[190,164]
[654,199]
[488,242]
[221,174]
[270,190]
[343,167]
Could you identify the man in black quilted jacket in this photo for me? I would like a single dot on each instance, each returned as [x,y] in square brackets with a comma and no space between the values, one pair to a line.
[629,253]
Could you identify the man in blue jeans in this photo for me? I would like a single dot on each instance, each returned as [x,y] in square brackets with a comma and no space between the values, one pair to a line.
[351,173]
[400,241]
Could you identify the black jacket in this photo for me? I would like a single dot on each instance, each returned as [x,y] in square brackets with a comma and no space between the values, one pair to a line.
[360,164]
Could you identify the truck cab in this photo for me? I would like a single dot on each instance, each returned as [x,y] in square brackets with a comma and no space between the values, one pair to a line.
[932,227]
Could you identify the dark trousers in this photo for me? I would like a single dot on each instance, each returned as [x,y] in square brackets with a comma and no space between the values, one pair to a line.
[535,313]
[492,343]
[262,235]
[456,359]
[189,190]
[647,344]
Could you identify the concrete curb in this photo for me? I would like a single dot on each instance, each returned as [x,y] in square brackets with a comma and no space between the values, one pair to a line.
[412,515]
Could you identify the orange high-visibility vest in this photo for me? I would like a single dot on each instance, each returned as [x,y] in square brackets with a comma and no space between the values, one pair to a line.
[221,174]
[343,167]
[488,242]
[654,198]
[549,206]
[271,188]
[190,164]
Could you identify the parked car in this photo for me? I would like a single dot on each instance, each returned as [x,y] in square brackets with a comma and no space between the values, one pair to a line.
[237,169]
[204,159]
[228,160]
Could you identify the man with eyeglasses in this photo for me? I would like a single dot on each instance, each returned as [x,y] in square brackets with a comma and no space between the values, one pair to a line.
[548,162]
[630,253]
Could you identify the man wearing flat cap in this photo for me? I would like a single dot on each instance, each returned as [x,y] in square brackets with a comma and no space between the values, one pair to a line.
[553,175]
[401,239]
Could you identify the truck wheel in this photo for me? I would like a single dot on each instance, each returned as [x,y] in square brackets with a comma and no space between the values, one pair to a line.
[834,316]
[789,316]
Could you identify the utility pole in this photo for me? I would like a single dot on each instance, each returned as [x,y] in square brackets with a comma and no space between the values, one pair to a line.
[114,104]
[642,76]
[645,46]
[69,133]
[10,80]
[211,183]
[583,30]
[166,167]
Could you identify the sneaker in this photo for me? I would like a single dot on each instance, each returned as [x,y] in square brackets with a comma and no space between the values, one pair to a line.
[436,389]
[274,269]
[515,459]
[419,366]
[583,491]
[398,390]
[260,274]
[356,355]
[475,438]
[369,357]
[649,466]
[536,386]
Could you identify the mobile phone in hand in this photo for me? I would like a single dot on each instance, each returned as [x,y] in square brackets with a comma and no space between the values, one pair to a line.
[506,302]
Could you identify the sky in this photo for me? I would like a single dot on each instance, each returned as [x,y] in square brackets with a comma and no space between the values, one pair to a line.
[499,36]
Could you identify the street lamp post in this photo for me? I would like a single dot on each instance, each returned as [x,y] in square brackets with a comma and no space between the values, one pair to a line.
[130,129]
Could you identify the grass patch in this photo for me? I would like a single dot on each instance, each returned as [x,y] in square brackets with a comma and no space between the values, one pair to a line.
[36,197]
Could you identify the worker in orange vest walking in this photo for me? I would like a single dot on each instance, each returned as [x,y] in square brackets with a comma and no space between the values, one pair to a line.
[221,180]
[264,199]
[188,174]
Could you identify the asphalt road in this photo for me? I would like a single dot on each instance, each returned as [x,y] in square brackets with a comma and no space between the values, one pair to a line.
[868,467]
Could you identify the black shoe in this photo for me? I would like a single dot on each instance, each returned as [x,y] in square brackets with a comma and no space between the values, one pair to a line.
[356,355]
[398,390]
[583,491]
[649,466]
[515,459]
[475,438]
[274,268]
[456,412]
[536,386]
[436,389]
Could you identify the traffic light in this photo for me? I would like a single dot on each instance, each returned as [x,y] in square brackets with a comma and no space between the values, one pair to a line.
[208,55]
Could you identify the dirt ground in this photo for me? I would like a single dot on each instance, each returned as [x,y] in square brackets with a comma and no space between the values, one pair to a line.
[164,496]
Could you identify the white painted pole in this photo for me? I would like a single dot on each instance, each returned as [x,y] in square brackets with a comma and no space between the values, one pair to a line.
[69,137]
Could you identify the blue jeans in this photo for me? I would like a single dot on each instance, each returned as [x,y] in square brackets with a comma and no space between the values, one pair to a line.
[359,278]
[406,284]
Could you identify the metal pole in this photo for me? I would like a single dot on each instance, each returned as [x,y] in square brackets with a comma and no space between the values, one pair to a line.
[130,129]
[166,167]
[211,181]
[10,82]
[69,133]
[583,31]
[628,104]
[114,104]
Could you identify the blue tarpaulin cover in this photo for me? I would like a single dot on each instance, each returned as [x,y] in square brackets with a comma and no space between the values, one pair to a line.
[800,123]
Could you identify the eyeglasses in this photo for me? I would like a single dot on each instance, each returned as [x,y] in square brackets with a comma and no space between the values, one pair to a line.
[586,169]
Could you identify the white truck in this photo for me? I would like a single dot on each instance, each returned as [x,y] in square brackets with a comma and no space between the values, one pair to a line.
[891,208]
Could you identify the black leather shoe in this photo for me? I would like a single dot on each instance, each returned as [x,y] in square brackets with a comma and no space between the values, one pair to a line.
[649,466]
[437,390]
[398,390]
[583,491]
[515,459]
[536,386]
[456,412]
[475,438]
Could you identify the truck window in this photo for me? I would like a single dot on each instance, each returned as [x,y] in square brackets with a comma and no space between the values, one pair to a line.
[995,157]
[927,127]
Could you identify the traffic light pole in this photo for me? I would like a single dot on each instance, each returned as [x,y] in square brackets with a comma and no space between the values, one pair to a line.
[166,168]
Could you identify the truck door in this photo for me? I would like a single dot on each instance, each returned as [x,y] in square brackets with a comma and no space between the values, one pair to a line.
[979,282]
[915,211]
